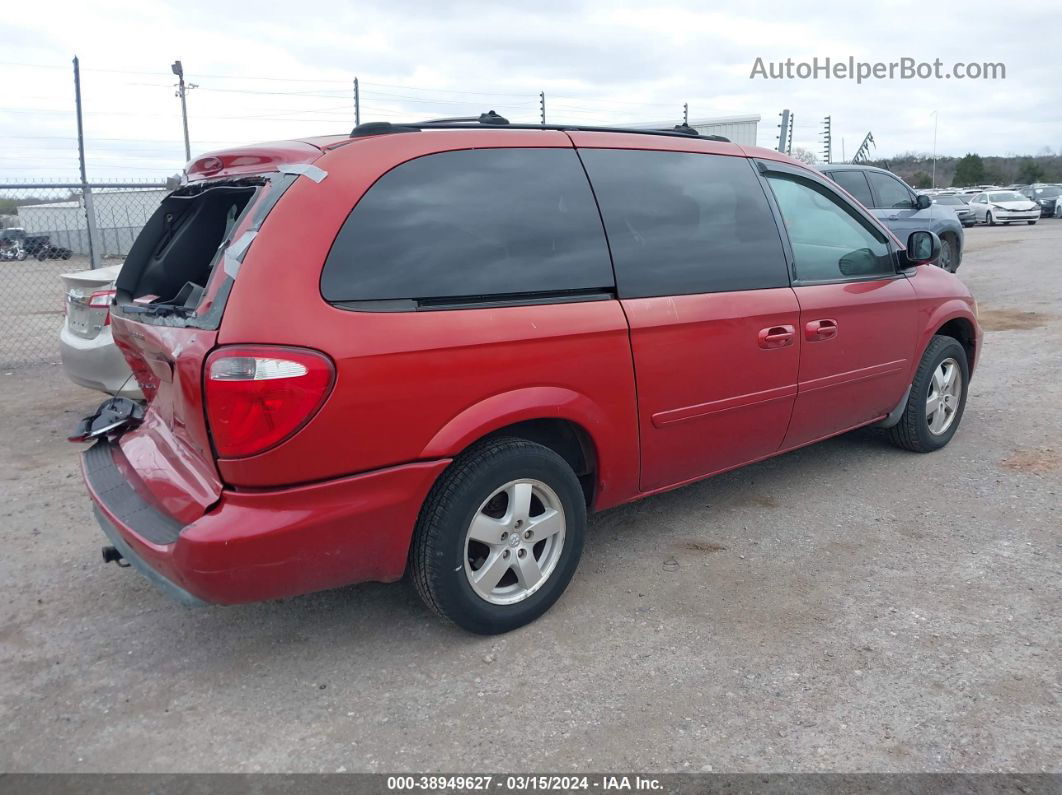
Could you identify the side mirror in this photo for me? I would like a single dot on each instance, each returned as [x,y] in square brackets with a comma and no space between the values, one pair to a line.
[923,202]
[923,248]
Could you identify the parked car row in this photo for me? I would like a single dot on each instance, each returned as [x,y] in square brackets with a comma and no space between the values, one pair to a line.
[452,388]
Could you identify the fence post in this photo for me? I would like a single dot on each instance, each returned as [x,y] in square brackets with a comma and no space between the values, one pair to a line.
[95,249]
[86,191]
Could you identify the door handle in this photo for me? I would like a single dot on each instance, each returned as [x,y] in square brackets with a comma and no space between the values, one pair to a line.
[776,337]
[819,330]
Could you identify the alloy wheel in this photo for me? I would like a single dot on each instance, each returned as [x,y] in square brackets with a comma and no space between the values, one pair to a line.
[945,394]
[514,541]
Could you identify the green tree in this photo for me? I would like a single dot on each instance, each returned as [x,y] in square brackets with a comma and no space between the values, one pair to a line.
[970,170]
[1030,171]
[921,179]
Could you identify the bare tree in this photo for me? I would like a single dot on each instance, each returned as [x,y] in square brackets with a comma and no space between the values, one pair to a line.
[805,156]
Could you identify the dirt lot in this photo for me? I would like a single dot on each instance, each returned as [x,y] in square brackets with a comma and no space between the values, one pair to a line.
[845,607]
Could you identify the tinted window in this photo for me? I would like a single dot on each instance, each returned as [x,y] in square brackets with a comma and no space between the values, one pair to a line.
[829,239]
[682,222]
[949,200]
[471,223]
[892,194]
[855,183]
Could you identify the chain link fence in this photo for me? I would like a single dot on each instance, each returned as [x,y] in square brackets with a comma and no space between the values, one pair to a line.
[50,229]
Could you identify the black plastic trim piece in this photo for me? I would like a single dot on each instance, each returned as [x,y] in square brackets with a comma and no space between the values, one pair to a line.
[168,587]
[114,491]
[477,301]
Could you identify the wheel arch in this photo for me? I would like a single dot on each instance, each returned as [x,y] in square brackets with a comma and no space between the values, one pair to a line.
[569,423]
[960,327]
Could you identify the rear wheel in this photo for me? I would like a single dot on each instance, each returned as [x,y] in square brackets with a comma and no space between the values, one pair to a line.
[500,536]
[937,399]
[947,254]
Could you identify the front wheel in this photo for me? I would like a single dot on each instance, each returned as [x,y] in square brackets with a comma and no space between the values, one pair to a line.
[1031,223]
[990,220]
[500,536]
[937,399]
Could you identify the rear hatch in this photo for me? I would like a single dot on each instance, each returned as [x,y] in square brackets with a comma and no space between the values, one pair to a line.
[170,297]
[88,298]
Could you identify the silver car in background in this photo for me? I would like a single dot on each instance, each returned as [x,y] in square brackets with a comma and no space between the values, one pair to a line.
[1004,207]
[959,204]
[89,355]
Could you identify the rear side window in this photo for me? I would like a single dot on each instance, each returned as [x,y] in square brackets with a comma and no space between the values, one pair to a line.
[683,222]
[855,183]
[472,224]
[892,194]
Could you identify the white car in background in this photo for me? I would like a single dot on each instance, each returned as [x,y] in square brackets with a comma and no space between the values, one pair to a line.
[90,357]
[1004,207]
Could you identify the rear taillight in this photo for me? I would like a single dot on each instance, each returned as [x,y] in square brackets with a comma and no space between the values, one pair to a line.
[102,299]
[258,396]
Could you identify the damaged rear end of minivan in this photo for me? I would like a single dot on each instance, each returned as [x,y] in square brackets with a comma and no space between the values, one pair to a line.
[152,471]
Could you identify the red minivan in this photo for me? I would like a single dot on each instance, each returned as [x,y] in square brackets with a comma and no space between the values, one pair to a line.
[436,347]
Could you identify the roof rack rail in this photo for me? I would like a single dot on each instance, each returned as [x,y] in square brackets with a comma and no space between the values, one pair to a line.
[492,119]
[685,129]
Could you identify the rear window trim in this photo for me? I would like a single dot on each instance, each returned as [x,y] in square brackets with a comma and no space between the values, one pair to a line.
[491,301]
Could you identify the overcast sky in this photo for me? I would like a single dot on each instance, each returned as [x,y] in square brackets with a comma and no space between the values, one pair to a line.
[284,70]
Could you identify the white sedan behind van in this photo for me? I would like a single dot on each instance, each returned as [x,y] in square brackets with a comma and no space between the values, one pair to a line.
[89,355]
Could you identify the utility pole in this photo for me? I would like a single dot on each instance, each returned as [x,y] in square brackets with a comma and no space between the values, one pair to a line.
[827,141]
[685,114]
[936,121]
[789,143]
[86,191]
[182,91]
[783,130]
[357,103]
[542,106]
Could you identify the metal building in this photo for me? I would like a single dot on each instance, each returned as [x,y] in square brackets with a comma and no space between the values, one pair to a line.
[739,129]
[120,215]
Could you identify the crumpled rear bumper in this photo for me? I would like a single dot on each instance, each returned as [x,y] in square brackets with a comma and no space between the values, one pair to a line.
[253,546]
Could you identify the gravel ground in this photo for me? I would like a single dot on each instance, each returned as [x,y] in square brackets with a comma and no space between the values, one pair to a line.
[846,607]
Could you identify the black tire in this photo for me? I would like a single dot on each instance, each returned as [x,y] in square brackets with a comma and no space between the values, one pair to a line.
[989,219]
[912,431]
[1031,223]
[437,557]
[948,254]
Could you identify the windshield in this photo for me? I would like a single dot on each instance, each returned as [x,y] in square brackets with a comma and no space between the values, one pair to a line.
[948,200]
[1006,196]
[1048,192]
